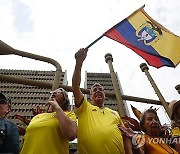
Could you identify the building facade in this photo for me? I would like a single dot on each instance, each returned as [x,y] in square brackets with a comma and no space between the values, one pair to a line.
[25,97]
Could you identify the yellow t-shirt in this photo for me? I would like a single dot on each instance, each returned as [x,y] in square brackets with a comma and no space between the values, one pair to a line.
[176,131]
[43,135]
[97,130]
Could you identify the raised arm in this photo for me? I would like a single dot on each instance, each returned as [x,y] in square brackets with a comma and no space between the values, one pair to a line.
[80,56]
[67,126]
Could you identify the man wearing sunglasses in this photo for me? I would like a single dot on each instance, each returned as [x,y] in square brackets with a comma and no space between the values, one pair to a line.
[9,135]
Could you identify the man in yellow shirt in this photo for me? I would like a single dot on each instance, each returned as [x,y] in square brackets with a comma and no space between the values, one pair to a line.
[97,125]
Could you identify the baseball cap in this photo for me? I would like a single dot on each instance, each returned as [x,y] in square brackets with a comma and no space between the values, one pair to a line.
[4,100]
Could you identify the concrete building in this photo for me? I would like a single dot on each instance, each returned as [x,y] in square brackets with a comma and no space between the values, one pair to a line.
[25,97]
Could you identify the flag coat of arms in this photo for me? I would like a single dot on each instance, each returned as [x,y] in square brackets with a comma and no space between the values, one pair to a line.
[153,42]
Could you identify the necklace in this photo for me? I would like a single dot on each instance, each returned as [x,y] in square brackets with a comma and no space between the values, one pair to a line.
[101,109]
[172,152]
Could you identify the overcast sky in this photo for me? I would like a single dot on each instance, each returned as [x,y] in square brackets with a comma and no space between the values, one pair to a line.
[57,29]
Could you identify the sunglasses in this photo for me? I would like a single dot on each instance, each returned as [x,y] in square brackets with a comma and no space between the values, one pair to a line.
[60,90]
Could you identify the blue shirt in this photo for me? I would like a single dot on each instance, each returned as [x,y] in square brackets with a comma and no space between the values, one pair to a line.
[9,137]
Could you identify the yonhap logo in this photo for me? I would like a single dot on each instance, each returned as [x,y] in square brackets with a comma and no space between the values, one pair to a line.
[138,140]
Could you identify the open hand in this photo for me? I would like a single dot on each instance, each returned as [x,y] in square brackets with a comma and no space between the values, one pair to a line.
[126,130]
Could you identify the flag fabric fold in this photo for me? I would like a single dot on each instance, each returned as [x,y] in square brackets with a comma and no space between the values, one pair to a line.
[146,37]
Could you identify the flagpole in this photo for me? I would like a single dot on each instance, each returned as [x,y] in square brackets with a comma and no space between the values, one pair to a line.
[113,26]
[94,42]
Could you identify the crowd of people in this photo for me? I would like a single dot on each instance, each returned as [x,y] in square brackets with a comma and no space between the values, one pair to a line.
[99,130]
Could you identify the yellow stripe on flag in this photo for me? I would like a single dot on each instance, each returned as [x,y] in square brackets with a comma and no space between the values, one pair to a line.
[168,45]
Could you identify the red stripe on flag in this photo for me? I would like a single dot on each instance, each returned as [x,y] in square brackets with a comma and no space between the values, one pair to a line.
[151,60]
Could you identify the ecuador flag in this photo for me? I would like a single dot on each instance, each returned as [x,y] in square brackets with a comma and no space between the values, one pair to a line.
[153,42]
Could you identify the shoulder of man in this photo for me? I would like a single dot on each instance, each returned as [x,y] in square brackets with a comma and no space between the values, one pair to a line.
[10,122]
[84,103]
[112,111]
[9,125]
